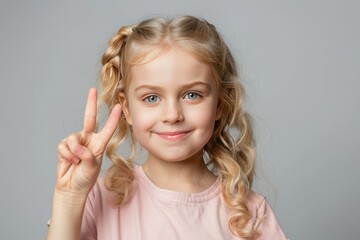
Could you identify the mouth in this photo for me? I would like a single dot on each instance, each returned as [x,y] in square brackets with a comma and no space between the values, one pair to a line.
[173,136]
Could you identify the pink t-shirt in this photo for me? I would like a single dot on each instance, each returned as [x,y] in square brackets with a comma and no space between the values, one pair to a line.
[158,214]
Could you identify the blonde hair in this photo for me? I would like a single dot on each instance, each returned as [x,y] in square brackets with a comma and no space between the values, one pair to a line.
[231,156]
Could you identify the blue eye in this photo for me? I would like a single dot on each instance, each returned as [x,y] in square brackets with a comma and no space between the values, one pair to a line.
[151,99]
[192,95]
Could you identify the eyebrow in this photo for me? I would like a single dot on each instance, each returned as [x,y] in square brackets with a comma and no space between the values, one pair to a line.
[158,88]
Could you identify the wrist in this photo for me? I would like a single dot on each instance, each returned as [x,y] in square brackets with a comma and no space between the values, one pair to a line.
[67,214]
[71,199]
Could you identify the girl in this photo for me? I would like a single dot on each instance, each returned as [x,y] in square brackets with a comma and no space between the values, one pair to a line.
[172,86]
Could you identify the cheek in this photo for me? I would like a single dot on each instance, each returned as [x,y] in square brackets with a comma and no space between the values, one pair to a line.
[204,120]
[138,126]
[204,114]
[142,119]
[143,123]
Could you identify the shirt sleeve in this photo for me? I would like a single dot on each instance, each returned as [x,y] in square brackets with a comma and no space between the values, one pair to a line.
[267,222]
[88,227]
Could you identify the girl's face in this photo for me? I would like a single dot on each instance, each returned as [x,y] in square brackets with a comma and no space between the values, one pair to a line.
[172,105]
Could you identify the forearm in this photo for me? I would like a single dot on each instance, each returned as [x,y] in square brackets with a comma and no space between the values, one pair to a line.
[67,213]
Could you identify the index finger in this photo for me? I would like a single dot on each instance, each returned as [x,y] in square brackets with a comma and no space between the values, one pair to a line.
[90,112]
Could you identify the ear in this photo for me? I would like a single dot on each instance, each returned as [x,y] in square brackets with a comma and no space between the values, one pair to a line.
[125,107]
[218,113]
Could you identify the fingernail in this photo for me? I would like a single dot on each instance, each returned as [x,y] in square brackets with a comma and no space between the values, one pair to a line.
[75,160]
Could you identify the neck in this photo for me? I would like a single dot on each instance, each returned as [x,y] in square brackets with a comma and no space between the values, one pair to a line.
[190,175]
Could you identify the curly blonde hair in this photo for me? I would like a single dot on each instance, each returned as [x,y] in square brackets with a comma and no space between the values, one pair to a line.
[231,156]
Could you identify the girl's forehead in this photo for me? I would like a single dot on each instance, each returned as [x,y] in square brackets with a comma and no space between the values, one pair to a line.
[174,63]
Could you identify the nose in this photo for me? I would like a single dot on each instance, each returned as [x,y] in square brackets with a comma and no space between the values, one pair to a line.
[172,112]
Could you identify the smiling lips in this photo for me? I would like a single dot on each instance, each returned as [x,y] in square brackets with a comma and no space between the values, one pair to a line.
[173,136]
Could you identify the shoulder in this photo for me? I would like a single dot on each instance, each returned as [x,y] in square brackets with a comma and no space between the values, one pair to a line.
[99,197]
[258,206]
[256,203]
[99,190]
[263,217]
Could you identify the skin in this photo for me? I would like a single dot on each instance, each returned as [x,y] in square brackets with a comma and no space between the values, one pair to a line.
[79,162]
[172,109]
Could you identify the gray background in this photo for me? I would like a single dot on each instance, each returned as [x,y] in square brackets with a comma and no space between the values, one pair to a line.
[300,64]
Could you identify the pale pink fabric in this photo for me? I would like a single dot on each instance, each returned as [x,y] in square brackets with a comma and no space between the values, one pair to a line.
[157,214]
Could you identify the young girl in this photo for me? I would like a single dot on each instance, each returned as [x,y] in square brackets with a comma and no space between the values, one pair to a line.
[172,86]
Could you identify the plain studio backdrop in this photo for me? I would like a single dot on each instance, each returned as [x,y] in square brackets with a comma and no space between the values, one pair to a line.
[299,61]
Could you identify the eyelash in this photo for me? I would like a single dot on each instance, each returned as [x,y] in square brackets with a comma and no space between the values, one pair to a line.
[147,99]
[156,98]
[194,93]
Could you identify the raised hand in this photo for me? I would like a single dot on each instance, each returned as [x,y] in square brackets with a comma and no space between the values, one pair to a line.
[80,154]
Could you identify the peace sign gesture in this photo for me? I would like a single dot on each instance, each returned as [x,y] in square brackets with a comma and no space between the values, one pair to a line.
[80,154]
